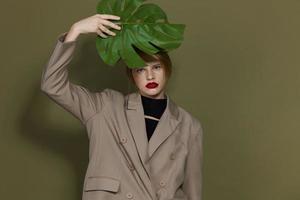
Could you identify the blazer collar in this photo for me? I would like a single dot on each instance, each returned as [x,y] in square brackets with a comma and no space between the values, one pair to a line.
[134,101]
[165,127]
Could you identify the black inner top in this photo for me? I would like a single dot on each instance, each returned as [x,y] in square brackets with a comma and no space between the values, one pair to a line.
[155,108]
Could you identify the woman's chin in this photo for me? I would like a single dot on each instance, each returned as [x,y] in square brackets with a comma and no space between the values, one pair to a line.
[154,92]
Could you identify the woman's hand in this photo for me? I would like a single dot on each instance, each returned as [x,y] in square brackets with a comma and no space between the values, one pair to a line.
[98,23]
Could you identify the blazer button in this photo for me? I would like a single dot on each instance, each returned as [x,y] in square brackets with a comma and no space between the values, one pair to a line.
[172,156]
[129,195]
[162,183]
[131,167]
[123,140]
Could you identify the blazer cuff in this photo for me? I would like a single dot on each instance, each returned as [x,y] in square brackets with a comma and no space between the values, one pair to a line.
[61,39]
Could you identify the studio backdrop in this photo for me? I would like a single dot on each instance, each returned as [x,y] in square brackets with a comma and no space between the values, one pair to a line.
[237,71]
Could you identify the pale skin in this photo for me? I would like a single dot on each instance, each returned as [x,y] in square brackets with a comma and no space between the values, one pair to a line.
[152,72]
[101,25]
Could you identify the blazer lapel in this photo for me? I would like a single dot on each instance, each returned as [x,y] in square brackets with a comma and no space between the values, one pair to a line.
[136,120]
[165,127]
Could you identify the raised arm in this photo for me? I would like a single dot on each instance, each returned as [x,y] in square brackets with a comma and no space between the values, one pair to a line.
[76,99]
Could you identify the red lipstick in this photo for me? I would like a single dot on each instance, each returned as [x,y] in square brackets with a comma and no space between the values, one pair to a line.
[152,85]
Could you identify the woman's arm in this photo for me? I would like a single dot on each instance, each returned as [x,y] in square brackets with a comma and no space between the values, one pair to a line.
[192,185]
[76,99]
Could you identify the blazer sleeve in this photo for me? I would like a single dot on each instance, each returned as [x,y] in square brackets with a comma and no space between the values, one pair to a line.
[55,83]
[192,184]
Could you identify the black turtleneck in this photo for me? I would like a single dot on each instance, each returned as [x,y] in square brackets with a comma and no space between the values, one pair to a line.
[154,108]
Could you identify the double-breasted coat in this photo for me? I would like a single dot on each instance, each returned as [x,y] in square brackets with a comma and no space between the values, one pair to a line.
[123,164]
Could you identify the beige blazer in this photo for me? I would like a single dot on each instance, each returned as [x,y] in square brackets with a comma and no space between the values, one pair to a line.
[122,163]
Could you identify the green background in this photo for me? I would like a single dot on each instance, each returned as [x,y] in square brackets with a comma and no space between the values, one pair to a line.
[237,71]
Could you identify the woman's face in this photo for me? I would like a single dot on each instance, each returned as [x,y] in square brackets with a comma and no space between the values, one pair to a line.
[150,80]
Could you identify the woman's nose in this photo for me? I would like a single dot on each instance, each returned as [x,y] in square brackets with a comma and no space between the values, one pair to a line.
[150,74]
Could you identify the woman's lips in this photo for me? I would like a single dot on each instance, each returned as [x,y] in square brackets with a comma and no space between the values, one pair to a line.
[152,85]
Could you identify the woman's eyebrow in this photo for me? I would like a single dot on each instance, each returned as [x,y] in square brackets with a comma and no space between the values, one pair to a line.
[155,64]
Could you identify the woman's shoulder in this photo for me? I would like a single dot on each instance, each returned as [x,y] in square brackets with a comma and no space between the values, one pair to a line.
[109,96]
[111,93]
[188,118]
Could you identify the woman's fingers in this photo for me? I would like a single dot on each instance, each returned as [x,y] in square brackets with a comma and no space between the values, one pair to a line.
[103,20]
[104,25]
[108,23]
[99,32]
[104,29]
[107,16]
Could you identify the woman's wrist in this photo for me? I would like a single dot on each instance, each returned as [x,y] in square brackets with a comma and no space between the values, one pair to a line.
[72,34]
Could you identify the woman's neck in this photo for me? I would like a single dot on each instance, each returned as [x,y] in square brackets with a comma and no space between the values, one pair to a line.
[159,96]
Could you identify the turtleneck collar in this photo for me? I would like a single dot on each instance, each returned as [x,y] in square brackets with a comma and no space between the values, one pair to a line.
[154,107]
[152,99]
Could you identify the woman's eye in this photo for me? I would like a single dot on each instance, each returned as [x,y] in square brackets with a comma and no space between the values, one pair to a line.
[139,70]
[156,66]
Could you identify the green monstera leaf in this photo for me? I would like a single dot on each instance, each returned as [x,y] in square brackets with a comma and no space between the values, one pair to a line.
[144,26]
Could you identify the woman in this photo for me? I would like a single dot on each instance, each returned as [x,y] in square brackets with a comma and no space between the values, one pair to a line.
[142,145]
